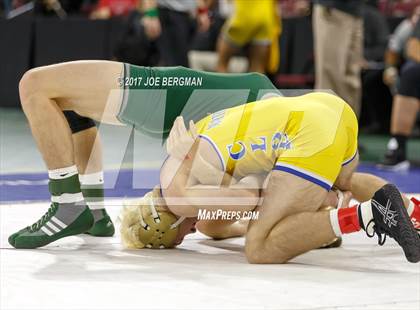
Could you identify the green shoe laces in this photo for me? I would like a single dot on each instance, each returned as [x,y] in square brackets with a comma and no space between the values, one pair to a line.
[45,218]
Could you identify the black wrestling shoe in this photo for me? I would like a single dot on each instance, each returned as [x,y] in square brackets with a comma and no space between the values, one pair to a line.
[394,160]
[390,218]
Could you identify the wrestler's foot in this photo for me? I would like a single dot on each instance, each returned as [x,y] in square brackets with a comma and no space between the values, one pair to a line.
[93,193]
[390,218]
[102,227]
[58,222]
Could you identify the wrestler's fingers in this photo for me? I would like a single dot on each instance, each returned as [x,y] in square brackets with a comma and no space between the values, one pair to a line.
[178,126]
[178,129]
[173,130]
[344,198]
[340,197]
[193,129]
[169,143]
[173,137]
[182,128]
[347,196]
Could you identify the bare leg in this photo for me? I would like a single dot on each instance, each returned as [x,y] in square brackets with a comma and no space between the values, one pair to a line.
[343,180]
[91,89]
[224,51]
[258,55]
[404,113]
[88,158]
[280,233]
[87,151]
[83,86]
[283,232]
[364,186]
[302,232]
[288,211]
[49,128]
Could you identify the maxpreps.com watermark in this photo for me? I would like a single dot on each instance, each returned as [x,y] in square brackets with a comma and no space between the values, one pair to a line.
[219,214]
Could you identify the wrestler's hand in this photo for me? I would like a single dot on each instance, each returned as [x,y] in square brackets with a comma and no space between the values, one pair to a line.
[333,200]
[187,227]
[180,140]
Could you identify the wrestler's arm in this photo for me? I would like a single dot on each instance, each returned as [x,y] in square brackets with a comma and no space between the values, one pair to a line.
[206,173]
[216,229]
[185,199]
[223,229]
[192,180]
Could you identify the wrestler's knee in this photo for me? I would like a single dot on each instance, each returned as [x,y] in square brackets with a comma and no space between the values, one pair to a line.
[29,87]
[27,84]
[258,252]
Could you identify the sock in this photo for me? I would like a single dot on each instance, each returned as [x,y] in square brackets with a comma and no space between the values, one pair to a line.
[398,142]
[93,192]
[413,211]
[65,191]
[351,219]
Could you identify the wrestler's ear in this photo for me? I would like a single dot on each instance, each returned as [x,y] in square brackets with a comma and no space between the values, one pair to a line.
[193,130]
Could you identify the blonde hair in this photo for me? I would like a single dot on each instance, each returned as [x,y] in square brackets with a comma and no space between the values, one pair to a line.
[130,224]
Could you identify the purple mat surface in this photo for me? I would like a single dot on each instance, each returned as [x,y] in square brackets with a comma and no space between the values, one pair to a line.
[33,187]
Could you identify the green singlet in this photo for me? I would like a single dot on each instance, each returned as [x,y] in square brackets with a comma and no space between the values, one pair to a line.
[154,97]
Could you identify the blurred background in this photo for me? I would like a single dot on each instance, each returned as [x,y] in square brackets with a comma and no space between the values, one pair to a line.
[369,38]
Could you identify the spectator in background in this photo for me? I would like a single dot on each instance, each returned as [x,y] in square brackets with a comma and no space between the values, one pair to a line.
[376,33]
[51,8]
[169,22]
[109,8]
[203,55]
[395,53]
[405,107]
[134,47]
[398,8]
[60,8]
[338,40]
[294,8]
[376,98]
[257,23]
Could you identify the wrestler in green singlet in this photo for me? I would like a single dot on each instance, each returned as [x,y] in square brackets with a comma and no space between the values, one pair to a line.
[154,97]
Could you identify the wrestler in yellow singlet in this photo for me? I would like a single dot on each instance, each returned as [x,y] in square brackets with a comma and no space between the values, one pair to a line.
[252,21]
[310,136]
